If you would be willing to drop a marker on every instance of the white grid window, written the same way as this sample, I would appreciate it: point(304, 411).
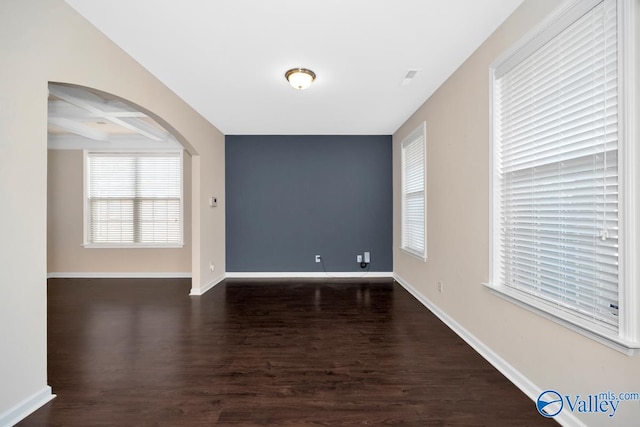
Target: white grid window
point(557, 167)
point(133, 199)
point(414, 193)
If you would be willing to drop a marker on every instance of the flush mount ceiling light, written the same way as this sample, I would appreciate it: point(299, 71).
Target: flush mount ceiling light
point(300, 78)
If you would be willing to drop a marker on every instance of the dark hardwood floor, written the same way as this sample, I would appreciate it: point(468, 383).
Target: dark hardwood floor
point(269, 353)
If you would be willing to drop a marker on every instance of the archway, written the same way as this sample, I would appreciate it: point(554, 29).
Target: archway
point(83, 121)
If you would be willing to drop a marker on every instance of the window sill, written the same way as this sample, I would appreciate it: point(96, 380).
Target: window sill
point(556, 315)
point(113, 246)
point(414, 254)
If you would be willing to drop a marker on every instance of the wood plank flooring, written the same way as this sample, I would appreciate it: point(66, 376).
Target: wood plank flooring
point(270, 353)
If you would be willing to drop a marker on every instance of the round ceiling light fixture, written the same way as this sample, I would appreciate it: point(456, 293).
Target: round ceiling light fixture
point(300, 78)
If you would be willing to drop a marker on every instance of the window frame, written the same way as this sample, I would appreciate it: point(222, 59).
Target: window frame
point(134, 245)
point(418, 132)
point(627, 338)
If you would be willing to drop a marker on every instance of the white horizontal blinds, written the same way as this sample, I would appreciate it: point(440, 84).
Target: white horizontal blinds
point(558, 160)
point(159, 184)
point(413, 169)
point(134, 198)
point(111, 194)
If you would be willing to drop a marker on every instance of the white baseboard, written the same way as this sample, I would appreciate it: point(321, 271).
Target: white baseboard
point(288, 275)
point(118, 275)
point(308, 275)
point(208, 286)
point(512, 374)
point(23, 409)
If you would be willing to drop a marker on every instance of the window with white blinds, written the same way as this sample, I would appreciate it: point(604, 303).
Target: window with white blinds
point(133, 199)
point(556, 169)
point(413, 192)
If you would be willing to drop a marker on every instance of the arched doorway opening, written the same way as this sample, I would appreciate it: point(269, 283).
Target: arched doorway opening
point(117, 205)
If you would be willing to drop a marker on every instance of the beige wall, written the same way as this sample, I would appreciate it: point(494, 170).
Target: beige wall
point(65, 253)
point(44, 41)
point(457, 118)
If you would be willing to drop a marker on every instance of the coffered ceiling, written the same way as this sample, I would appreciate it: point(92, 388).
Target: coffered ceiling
point(81, 119)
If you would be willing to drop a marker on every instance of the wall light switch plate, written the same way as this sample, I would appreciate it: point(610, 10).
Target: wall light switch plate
point(213, 202)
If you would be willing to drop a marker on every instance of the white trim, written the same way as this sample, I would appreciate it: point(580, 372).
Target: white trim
point(200, 291)
point(23, 409)
point(308, 275)
point(628, 97)
point(565, 319)
point(118, 275)
point(85, 201)
point(414, 254)
point(540, 34)
point(494, 177)
point(565, 418)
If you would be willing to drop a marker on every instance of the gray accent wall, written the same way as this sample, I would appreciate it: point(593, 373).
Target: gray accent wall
point(289, 198)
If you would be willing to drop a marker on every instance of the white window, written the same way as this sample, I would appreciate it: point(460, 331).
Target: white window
point(558, 223)
point(133, 199)
point(414, 192)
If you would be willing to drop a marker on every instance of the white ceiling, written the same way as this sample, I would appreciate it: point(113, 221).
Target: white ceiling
point(227, 58)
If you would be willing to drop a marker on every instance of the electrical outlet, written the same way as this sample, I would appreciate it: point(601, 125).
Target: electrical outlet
point(317, 258)
point(367, 257)
point(212, 267)
point(440, 287)
point(358, 258)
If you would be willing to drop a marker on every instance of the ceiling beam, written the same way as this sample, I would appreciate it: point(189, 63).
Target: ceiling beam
point(64, 109)
point(145, 128)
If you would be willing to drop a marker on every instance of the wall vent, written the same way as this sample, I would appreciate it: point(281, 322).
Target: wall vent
point(411, 74)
